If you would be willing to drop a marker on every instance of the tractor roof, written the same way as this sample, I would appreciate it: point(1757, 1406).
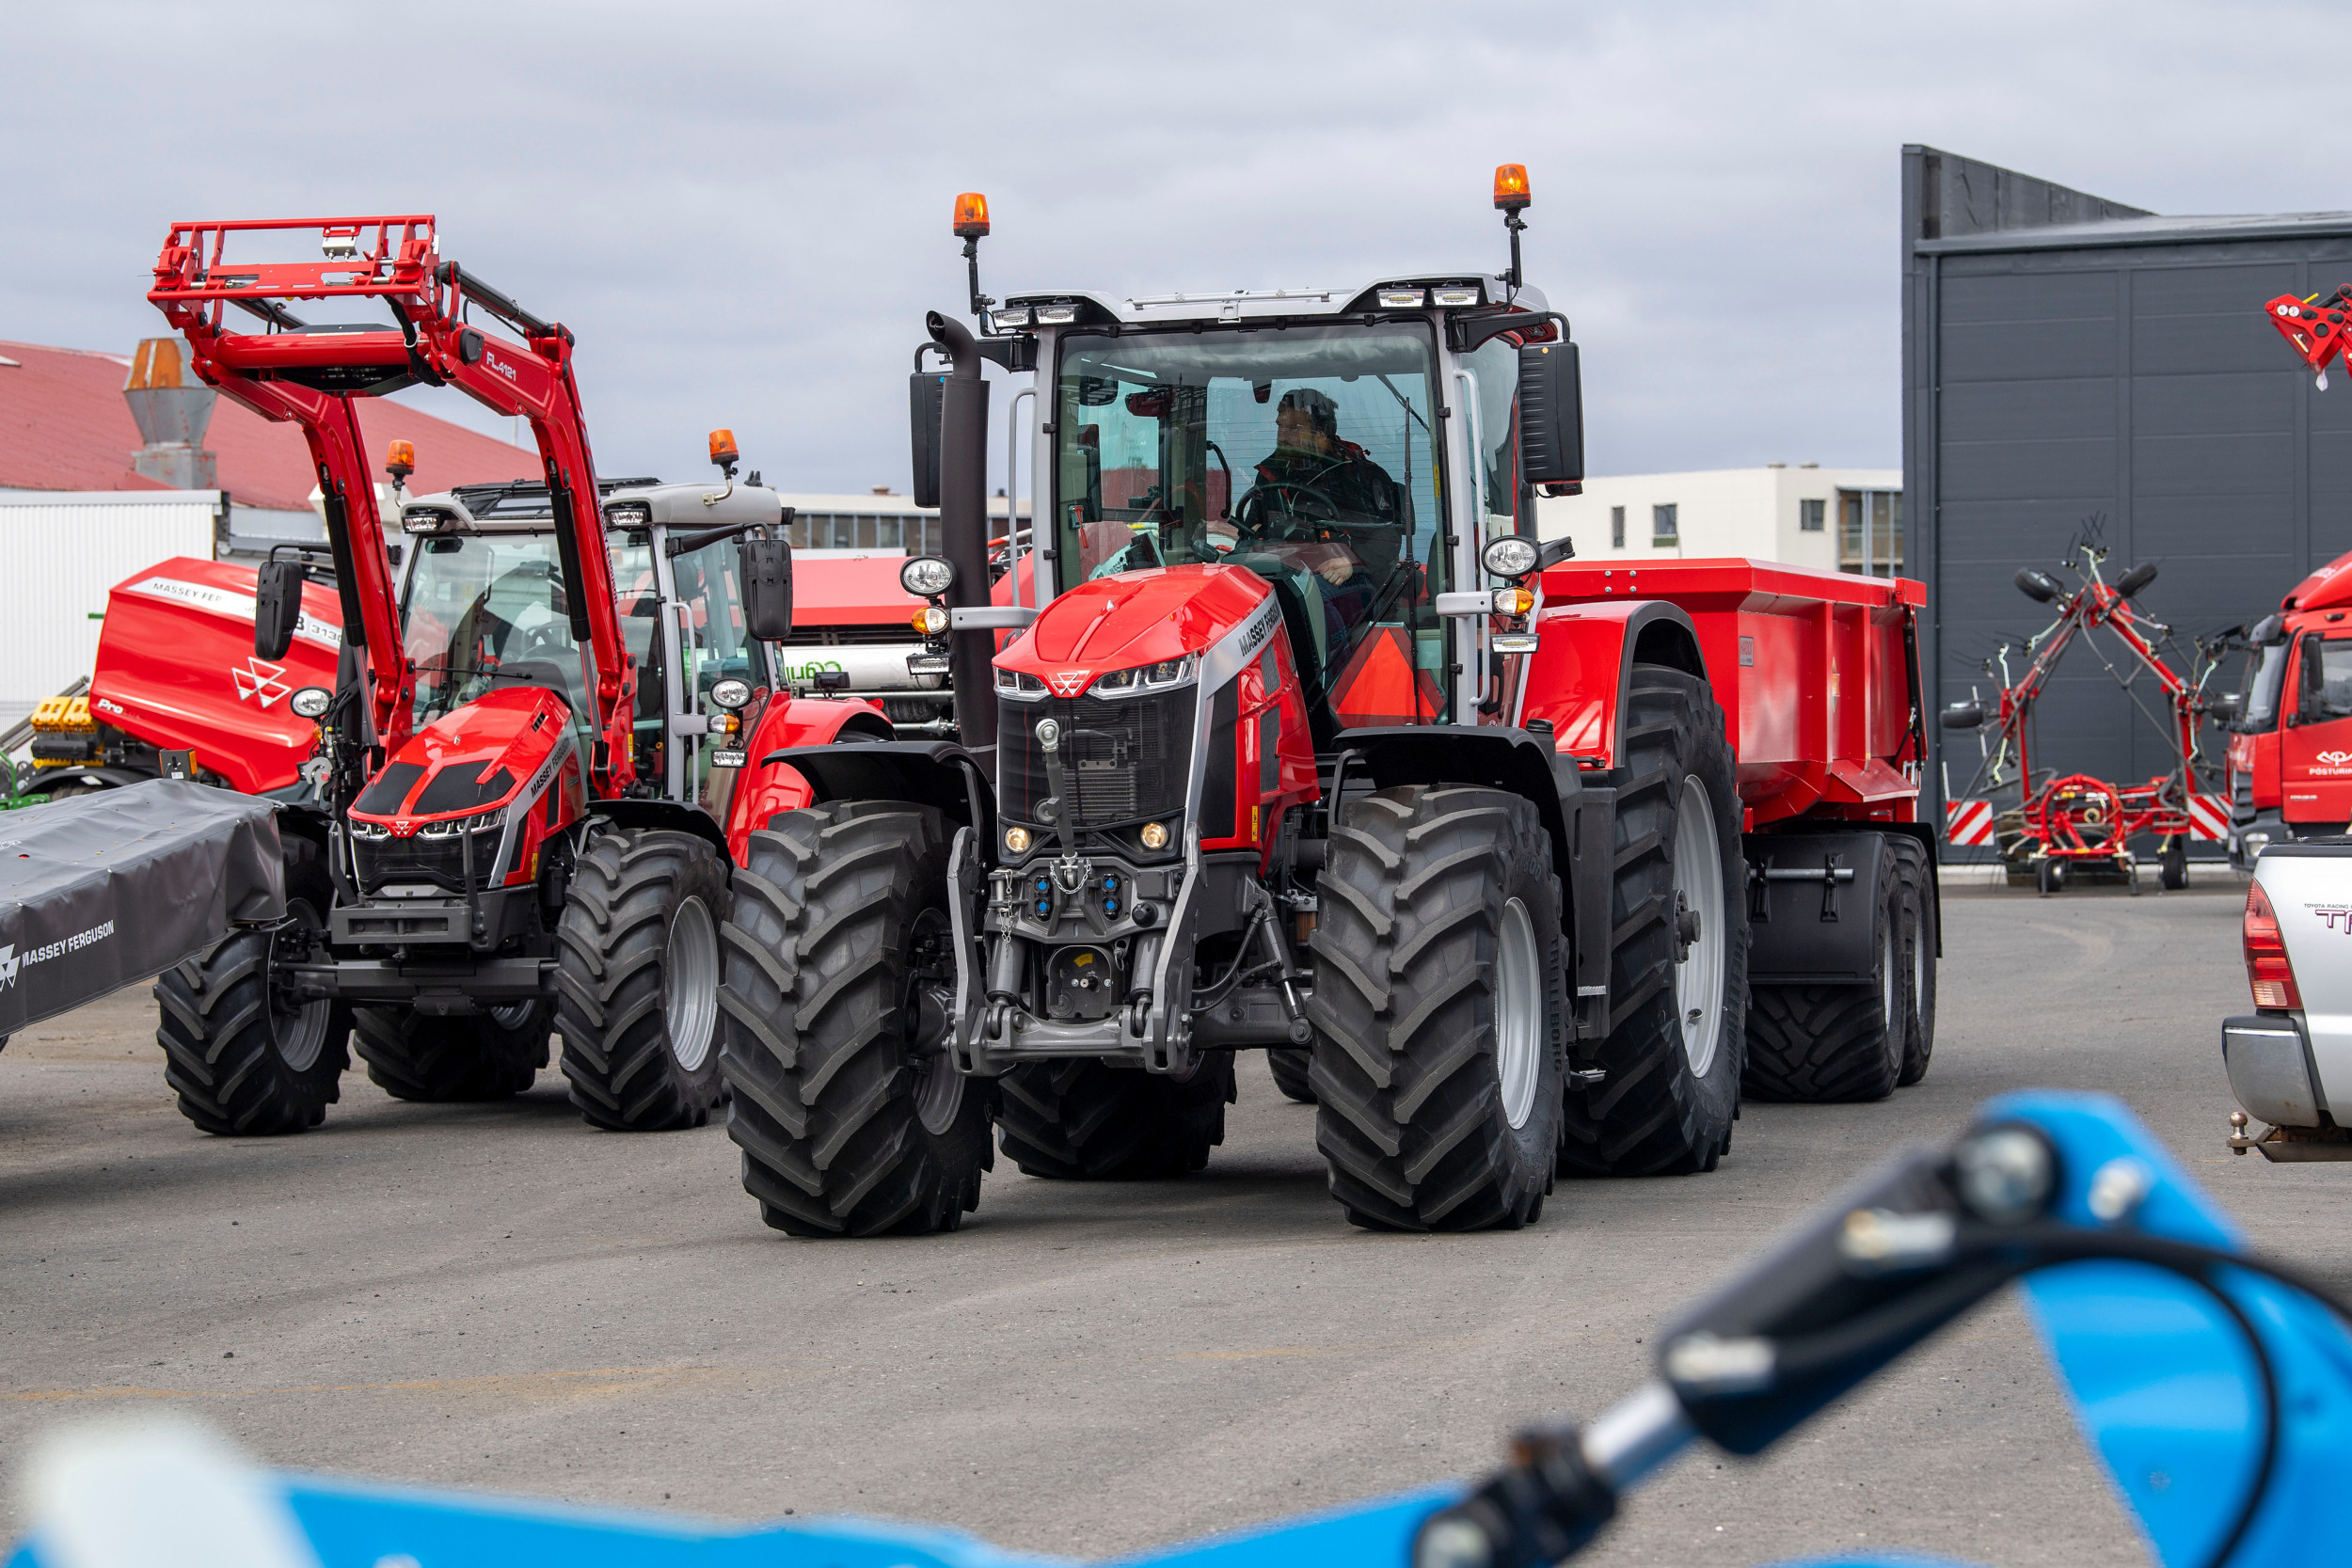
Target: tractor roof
point(1238, 304)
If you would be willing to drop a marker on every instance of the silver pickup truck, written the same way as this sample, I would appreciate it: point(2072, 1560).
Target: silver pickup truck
point(2290, 1062)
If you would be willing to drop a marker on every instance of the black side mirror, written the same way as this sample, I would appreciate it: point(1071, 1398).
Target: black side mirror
point(277, 606)
point(765, 566)
point(2270, 632)
point(2039, 586)
point(2225, 706)
point(927, 393)
point(1551, 414)
point(2136, 582)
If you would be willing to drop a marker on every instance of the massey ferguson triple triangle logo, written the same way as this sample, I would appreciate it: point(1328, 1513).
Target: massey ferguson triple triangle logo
point(1069, 683)
point(259, 679)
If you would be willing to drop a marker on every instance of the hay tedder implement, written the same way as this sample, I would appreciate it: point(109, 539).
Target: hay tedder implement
point(2059, 824)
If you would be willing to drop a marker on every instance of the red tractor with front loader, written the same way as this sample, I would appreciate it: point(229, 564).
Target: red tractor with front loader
point(533, 758)
point(1326, 751)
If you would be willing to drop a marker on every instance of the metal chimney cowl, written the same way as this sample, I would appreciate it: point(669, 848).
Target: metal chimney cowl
point(173, 410)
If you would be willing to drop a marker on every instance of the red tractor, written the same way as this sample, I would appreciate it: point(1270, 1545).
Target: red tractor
point(1527, 866)
point(534, 757)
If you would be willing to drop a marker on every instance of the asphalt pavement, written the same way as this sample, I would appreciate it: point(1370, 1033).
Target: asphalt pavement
point(1084, 1369)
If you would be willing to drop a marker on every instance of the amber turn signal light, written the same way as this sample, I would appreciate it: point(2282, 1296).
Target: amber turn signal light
point(971, 216)
point(1511, 193)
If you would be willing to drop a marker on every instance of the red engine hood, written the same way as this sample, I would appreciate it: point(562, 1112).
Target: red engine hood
point(500, 745)
point(1118, 623)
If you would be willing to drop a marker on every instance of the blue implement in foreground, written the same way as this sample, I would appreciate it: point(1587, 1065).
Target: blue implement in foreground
point(2164, 1386)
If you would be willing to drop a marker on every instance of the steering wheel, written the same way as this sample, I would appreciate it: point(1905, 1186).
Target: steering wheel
point(1301, 504)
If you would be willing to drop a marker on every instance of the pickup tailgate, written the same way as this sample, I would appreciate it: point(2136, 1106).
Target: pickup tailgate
point(2309, 884)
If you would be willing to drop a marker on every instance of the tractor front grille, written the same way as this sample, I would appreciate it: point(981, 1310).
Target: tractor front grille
point(384, 862)
point(1128, 759)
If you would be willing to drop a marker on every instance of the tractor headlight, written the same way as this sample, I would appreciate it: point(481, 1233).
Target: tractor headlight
point(311, 702)
point(1165, 676)
point(1155, 836)
point(480, 822)
point(1017, 840)
point(731, 694)
point(927, 576)
point(370, 831)
point(1511, 555)
point(1011, 318)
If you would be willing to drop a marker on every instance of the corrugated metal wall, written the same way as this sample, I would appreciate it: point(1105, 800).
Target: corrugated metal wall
point(2053, 384)
point(58, 556)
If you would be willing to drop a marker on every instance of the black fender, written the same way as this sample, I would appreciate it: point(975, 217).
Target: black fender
point(1579, 820)
point(671, 816)
point(927, 773)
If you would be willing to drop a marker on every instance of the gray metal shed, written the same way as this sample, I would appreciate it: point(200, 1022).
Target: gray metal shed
point(2066, 358)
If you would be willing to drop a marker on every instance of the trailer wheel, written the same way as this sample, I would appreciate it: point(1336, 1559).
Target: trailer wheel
point(422, 1056)
point(637, 980)
point(245, 1058)
point(2173, 864)
point(1439, 1010)
point(1678, 960)
point(1083, 1119)
point(1825, 1044)
point(1290, 1067)
point(1915, 869)
point(834, 1012)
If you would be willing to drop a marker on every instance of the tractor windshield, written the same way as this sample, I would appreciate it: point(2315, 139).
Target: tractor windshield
point(485, 611)
point(1306, 454)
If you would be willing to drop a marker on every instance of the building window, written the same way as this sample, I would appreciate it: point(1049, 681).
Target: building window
point(1870, 532)
point(1616, 527)
point(1811, 515)
point(1665, 528)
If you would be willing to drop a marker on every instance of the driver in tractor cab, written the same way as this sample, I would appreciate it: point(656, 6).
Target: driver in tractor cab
point(1314, 472)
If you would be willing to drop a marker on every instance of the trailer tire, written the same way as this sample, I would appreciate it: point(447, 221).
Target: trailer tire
point(438, 1060)
point(243, 1061)
point(2173, 864)
point(1289, 1065)
point(1672, 1089)
point(1085, 1120)
point(1820, 1045)
point(1917, 871)
point(834, 1018)
point(1439, 1010)
point(637, 980)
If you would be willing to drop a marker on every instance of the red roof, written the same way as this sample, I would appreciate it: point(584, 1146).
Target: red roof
point(64, 426)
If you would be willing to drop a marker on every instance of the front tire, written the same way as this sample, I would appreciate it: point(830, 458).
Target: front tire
point(637, 981)
point(1678, 959)
point(835, 1014)
point(245, 1059)
point(1917, 871)
point(1439, 1011)
point(436, 1060)
point(1082, 1120)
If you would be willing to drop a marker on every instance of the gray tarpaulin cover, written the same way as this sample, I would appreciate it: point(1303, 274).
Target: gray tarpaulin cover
point(97, 890)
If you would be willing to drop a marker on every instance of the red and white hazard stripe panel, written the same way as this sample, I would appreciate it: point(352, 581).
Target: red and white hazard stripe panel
point(2209, 818)
point(1968, 823)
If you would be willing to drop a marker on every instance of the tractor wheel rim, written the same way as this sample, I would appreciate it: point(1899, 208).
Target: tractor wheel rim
point(1519, 1015)
point(691, 972)
point(1919, 959)
point(1699, 888)
point(300, 1032)
point(1891, 964)
point(929, 1012)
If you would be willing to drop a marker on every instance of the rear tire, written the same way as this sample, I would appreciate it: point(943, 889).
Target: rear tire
point(1439, 1010)
point(1082, 1120)
point(1827, 1044)
point(244, 1059)
point(1672, 1085)
point(1917, 871)
point(637, 982)
point(1290, 1067)
point(835, 1014)
point(436, 1060)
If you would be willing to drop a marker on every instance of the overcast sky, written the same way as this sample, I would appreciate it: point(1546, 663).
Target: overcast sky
point(743, 212)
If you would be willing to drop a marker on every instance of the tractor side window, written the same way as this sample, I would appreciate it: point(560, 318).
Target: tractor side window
point(715, 645)
point(1495, 369)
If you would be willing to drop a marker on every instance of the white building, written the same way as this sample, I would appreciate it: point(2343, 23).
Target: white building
point(1836, 519)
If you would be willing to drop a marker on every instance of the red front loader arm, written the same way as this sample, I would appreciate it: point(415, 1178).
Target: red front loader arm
point(312, 375)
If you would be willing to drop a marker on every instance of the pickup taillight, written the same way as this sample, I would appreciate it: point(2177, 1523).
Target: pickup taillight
point(2267, 966)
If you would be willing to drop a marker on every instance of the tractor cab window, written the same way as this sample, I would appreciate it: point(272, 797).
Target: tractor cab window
point(714, 643)
point(2266, 676)
point(1494, 370)
point(1305, 455)
point(487, 610)
point(2327, 679)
